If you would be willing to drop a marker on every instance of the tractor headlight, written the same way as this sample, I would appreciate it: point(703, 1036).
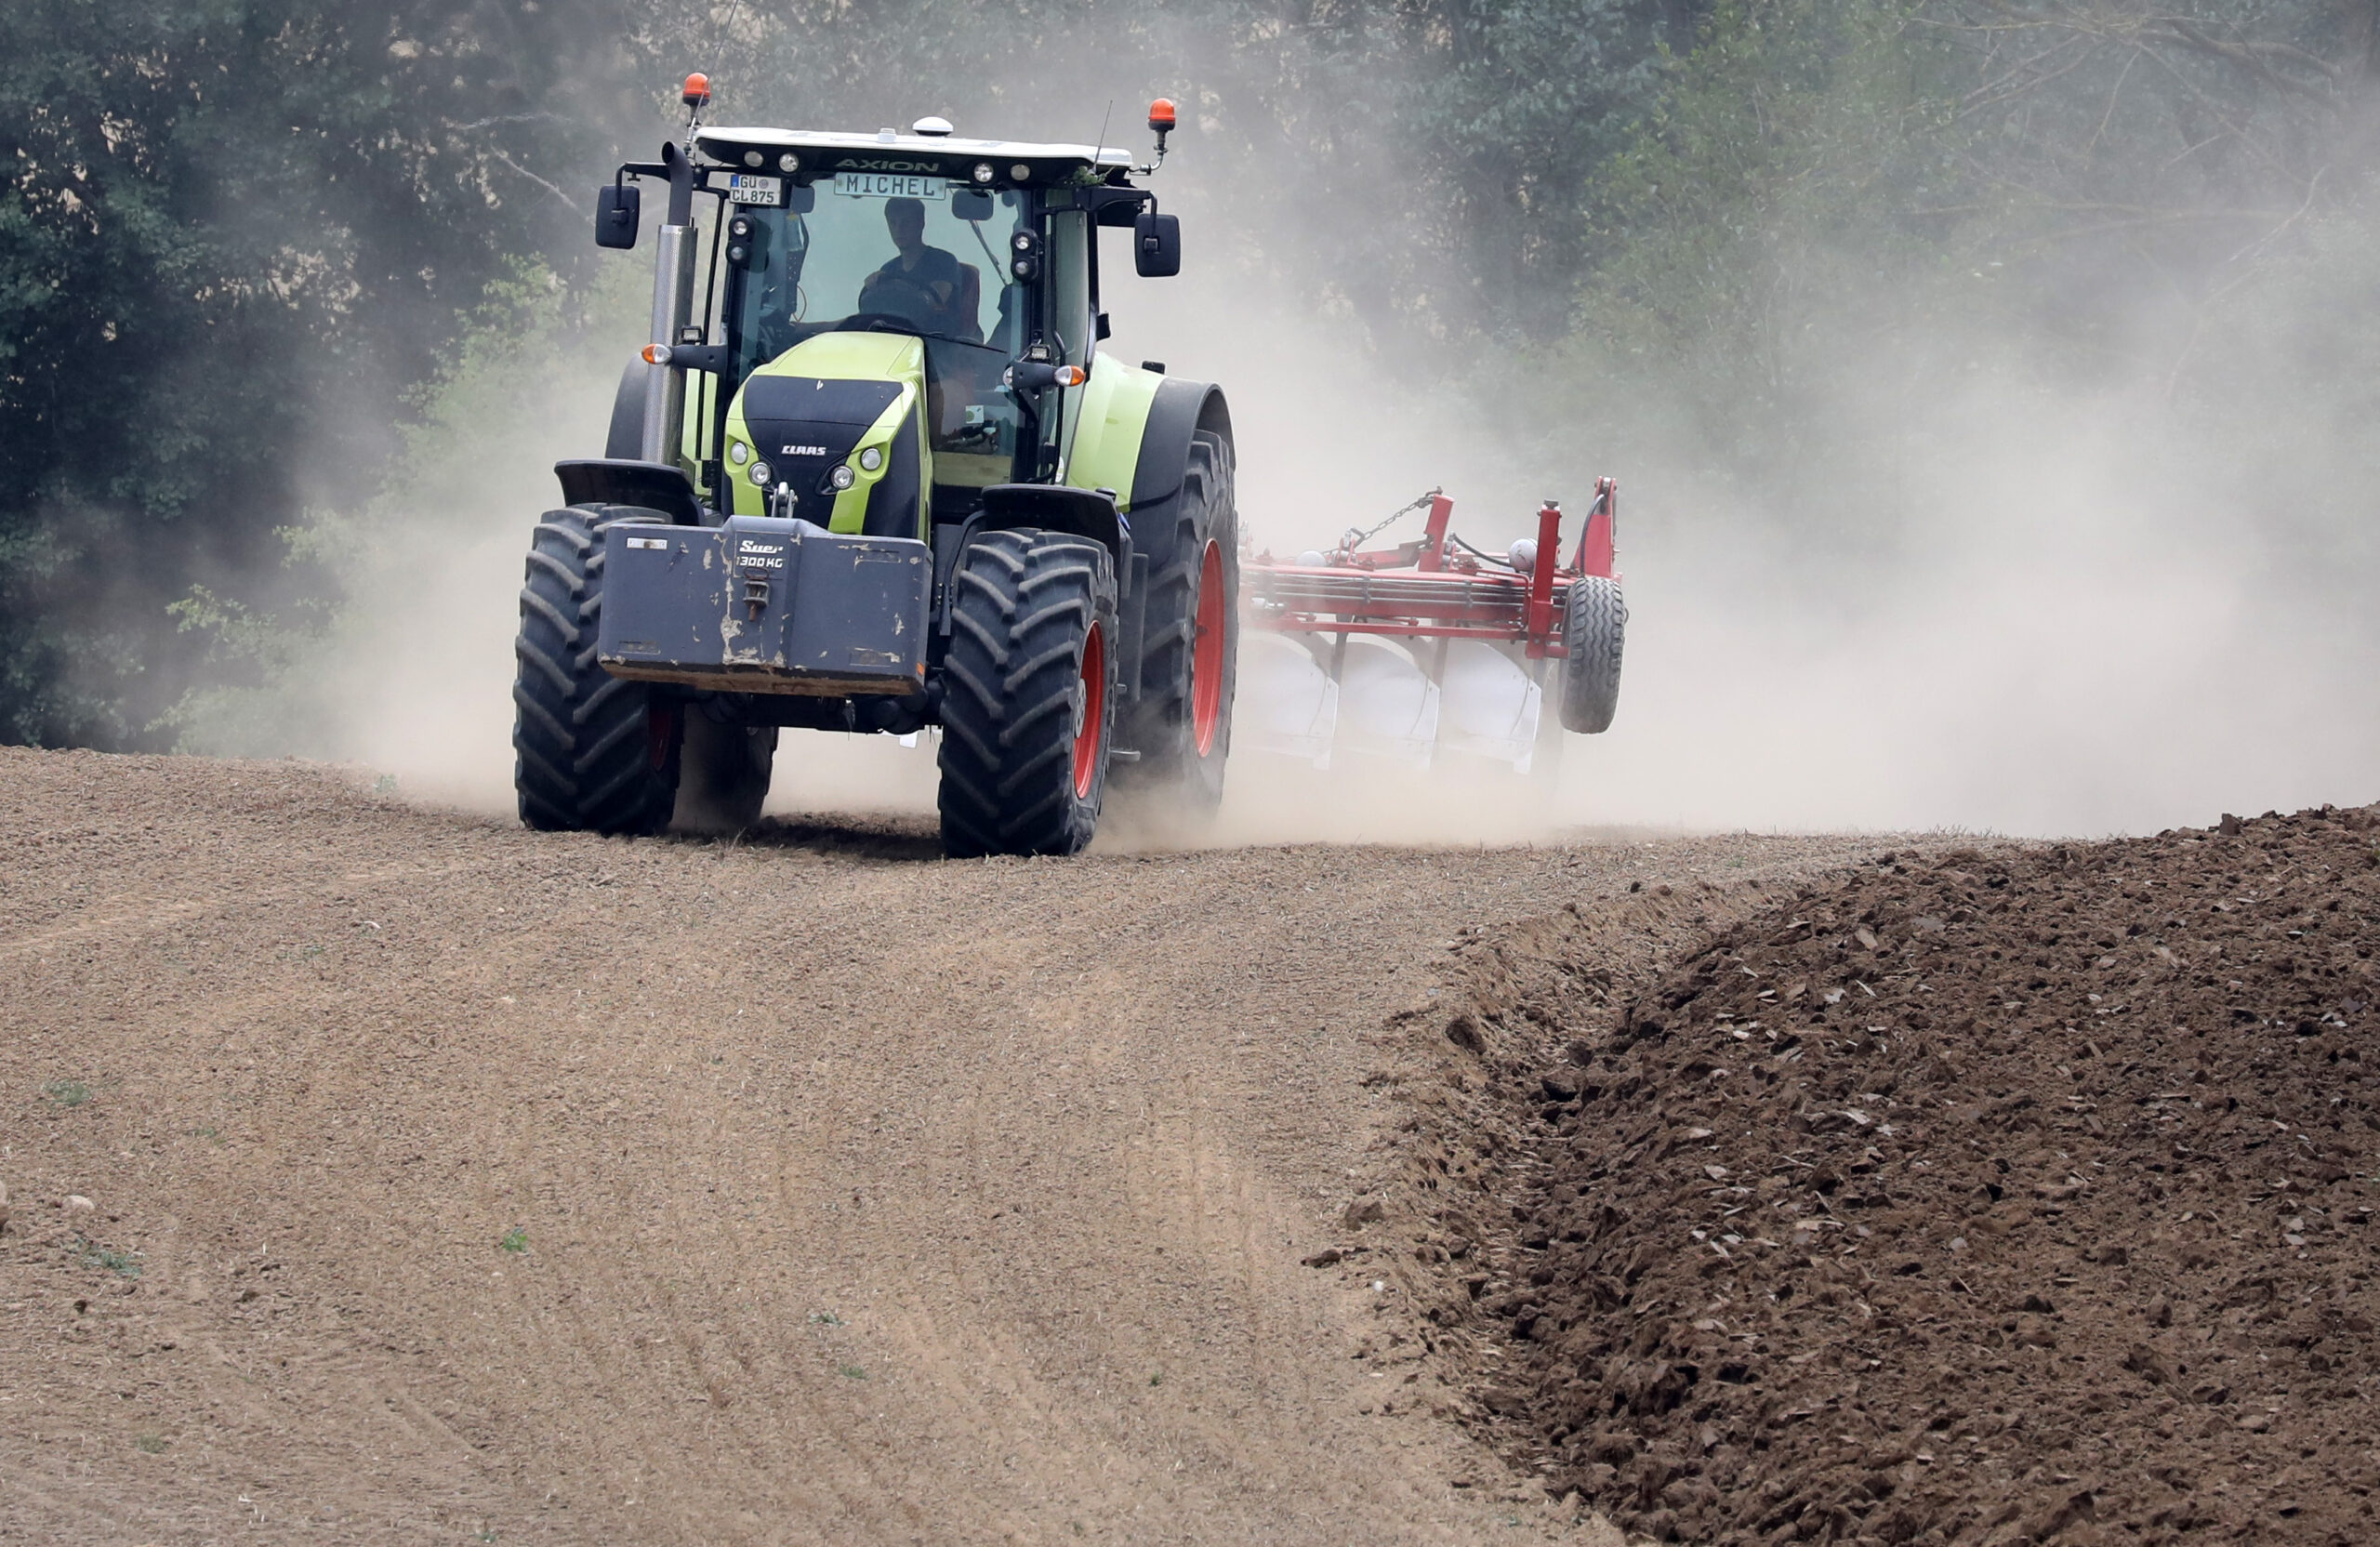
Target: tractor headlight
point(842, 477)
point(1021, 172)
point(751, 158)
point(738, 453)
point(984, 171)
point(761, 474)
point(788, 163)
point(1024, 261)
point(871, 459)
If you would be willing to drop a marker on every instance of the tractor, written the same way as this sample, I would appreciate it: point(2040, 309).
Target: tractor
point(874, 474)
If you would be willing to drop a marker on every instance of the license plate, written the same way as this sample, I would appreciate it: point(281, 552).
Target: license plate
point(890, 185)
point(743, 188)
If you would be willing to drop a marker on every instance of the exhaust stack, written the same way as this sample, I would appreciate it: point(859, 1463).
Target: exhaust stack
point(673, 299)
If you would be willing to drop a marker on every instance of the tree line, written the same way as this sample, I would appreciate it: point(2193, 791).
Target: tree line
point(244, 236)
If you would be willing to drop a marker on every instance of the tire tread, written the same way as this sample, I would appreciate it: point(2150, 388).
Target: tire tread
point(582, 748)
point(1023, 603)
point(1595, 627)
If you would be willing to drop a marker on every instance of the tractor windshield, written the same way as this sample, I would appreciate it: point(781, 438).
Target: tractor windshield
point(901, 253)
point(909, 253)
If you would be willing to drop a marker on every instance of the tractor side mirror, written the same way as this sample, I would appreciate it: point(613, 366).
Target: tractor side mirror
point(617, 206)
point(971, 204)
point(1157, 245)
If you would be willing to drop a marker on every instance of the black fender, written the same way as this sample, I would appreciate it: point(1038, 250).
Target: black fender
point(1056, 508)
point(621, 480)
point(1180, 410)
point(625, 440)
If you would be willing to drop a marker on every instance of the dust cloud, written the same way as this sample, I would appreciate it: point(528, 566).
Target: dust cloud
point(2058, 642)
point(2038, 624)
point(2003, 608)
point(417, 684)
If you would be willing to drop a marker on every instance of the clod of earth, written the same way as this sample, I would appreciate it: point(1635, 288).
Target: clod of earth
point(1962, 1257)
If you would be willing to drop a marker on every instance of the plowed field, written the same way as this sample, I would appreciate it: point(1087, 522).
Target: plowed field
point(2019, 1196)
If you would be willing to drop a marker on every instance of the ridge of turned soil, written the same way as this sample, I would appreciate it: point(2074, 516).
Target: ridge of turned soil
point(2001, 1196)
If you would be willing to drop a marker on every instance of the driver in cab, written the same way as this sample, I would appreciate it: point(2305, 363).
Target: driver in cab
point(925, 285)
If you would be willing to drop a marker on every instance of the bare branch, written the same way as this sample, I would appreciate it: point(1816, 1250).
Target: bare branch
point(2113, 92)
point(533, 177)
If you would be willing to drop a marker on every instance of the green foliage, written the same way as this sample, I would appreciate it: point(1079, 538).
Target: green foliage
point(235, 230)
point(93, 1254)
point(1844, 215)
point(66, 1092)
point(1447, 143)
point(272, 274)
point(282, 681)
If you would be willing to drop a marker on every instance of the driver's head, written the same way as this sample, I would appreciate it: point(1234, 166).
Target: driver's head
point(906, 219)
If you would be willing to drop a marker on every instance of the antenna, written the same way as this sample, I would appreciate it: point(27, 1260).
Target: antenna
point(718, 57)
point(1100, 143)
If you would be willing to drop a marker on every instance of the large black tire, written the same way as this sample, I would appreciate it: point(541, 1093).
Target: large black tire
point(722, 772)
point(1594, 625)
point(1190, 655)
point(592, 752)
point(1029, 707)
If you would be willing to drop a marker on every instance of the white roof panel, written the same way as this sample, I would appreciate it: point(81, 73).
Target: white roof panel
point(825, 152)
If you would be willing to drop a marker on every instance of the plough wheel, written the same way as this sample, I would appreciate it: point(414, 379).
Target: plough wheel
point(1028, 712)
point(1190, 663)
point(1594, 627)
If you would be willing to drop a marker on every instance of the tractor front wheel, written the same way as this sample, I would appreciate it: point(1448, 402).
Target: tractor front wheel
point(1594, 625)
point(1029, 707)
point(592, 753)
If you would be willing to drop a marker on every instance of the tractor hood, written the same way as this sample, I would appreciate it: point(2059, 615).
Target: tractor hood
point(839, 401)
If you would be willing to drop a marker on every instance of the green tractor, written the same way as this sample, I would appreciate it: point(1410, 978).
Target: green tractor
point(874, 474)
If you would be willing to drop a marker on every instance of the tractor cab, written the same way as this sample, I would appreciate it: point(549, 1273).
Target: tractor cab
point(892, 324)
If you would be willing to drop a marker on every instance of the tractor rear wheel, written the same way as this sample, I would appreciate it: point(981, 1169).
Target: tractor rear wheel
point(1190, 658)
point(1595, 623)
point(1029, 707)
point(592, 752)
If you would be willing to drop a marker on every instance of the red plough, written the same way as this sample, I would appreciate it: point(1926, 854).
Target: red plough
point(1433, 647)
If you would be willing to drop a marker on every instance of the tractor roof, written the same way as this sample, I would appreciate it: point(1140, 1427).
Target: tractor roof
point(819, 153)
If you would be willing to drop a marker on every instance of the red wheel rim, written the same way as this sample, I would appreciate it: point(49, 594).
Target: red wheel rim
point(660, 735)
point(1095, 712)
point(1207, 653)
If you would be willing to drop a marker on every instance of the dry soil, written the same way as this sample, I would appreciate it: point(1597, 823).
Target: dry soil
point(379, 1175)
